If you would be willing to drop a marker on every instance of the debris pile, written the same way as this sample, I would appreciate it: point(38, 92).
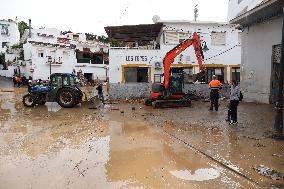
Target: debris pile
point(268, 172)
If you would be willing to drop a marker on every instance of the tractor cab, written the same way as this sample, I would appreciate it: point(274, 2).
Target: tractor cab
point(58, 80)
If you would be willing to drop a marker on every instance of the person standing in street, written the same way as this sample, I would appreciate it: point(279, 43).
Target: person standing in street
point(214, 86)
point(100, 92)
point(234, 102)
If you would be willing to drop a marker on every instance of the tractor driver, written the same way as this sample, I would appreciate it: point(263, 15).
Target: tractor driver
point(214, 86)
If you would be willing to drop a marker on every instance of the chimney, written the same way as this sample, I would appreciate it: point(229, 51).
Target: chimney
point(30, 27)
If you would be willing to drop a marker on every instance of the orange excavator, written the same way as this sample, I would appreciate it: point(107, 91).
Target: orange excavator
point(169, 93)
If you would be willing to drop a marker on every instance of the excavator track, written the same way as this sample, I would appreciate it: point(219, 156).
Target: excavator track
point(171, 103)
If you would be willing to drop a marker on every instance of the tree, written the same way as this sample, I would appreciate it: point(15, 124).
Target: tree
point(65, 32)
point(22, 26)
point(90, 36)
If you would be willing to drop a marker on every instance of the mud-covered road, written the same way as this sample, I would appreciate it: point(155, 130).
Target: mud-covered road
point(128, 145)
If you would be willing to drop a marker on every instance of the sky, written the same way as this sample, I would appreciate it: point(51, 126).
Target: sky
point(91, 16)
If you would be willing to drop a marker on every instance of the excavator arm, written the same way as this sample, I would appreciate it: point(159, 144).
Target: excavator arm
point(170, 56)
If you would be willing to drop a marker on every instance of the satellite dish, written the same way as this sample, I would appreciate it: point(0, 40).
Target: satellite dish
point(156, 18)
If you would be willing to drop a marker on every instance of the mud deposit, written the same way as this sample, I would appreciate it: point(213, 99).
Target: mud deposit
point(118, 146)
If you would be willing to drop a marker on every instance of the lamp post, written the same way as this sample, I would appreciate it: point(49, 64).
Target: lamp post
point(49, 60)
point(278, 125)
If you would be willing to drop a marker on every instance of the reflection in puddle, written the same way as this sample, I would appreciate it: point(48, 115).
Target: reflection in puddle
point(199, 175)
point(53, 106)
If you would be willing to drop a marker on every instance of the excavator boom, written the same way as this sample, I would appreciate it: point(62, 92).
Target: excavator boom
point(170, 56)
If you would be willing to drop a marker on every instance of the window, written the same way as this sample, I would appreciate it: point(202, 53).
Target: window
point(97, 59)
point(183, 36)
point(4, 30)
point(175, 38)
point(187, 59)
point(218, 38)
point(139, 75)
point(171, 38)
point(40, 53)
point(76, 37)
point(219, 72)
point(106, 62)
point(83, 57)
point(236, 74)
point(4, 44)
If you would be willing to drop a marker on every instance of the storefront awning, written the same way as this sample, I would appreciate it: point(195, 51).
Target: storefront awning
point(133, 33)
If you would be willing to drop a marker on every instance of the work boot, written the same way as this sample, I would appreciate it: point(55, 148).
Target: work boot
point(233, 122)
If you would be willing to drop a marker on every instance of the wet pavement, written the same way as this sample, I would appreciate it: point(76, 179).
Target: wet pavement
point(128, 145)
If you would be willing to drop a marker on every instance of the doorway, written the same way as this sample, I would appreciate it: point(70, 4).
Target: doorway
point(275, 72)
point(88, 76)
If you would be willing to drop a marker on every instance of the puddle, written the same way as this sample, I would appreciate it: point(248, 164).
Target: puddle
point(197, 175)
point(53, 106)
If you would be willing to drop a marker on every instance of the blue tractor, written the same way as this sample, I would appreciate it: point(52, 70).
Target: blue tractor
point(61, 89)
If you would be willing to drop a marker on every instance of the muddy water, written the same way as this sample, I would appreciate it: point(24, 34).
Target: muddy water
point(50, 147)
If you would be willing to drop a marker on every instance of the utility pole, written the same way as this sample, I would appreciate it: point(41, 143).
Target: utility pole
point(278, 125)
point(195, 12)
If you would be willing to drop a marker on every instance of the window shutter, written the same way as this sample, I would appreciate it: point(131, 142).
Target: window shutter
point(171, 38)
point(183, 36)
point(218, 38)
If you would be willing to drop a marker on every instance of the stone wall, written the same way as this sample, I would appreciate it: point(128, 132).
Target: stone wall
point(203, 91)
point(142, 90)
point(129, 90)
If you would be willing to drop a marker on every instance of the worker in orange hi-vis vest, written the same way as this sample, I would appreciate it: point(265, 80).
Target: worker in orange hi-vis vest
point(214, 86)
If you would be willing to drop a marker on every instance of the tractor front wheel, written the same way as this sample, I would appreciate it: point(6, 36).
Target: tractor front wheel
point(28, 100)
point(66, 98)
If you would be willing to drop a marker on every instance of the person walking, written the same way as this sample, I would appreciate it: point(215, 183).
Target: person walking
point(15, 80)
point(18, 80)
point(214, 86)
point(234, 102)
point(100, 92)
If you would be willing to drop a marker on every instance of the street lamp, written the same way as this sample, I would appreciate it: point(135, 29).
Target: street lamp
point(204, 46)
point(49, 60)
point(278, 125)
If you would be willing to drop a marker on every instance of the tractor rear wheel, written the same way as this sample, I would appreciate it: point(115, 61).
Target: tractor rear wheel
point(66, 98)
point(28, 100)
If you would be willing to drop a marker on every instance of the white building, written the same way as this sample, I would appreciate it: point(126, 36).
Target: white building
point(261, 25)
point(9, 34)
point(144, 47)
point(48, 51)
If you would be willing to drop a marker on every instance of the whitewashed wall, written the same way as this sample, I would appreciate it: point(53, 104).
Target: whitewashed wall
point(257, 44)
point(13, 36)
point(68, 58)
point(118, 57)
point(231, 57)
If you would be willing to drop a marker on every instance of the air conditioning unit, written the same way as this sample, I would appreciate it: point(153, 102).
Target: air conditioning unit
point(158, 65)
